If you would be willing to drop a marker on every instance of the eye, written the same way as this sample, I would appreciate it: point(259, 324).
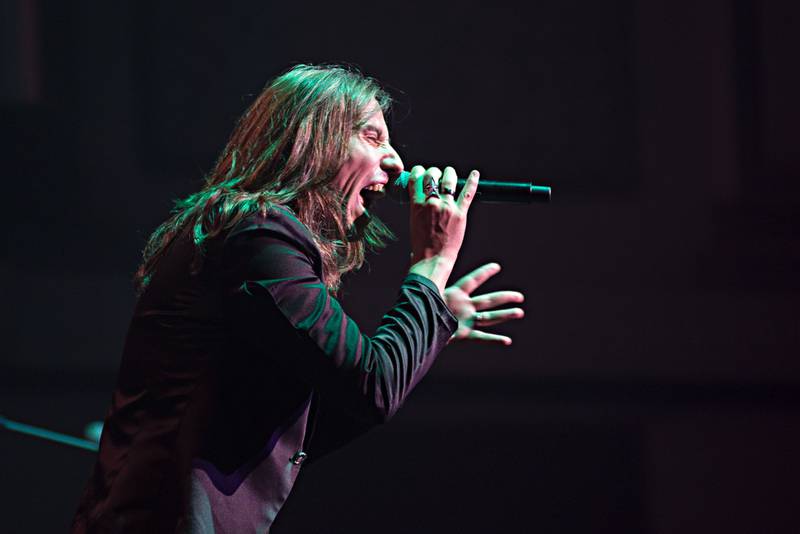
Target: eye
point(374, 138)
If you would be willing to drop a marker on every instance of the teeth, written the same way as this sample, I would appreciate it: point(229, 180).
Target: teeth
point(374, 187)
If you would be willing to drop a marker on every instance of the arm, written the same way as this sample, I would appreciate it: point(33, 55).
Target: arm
point(367, 376)
point(307, 333)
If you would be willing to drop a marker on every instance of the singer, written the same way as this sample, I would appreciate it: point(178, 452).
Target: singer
point(240, 366)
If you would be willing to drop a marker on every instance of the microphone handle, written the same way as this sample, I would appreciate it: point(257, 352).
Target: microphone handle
point(488, 191)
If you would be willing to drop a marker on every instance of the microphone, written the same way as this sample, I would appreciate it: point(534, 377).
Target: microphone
point(488, 191)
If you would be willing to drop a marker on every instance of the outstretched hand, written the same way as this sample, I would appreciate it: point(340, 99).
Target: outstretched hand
point(475, 312)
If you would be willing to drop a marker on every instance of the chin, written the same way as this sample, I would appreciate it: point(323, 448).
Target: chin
point(357, 210)
point(357, 214)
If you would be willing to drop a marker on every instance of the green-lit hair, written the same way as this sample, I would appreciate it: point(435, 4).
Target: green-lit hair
point(285, 150)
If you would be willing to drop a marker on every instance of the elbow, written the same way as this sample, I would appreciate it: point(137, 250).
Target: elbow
point(382, 412)
point(389, 395)
point(384, 406)
point(388, 414)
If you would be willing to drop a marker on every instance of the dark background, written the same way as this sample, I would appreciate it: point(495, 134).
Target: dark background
point(653, 385)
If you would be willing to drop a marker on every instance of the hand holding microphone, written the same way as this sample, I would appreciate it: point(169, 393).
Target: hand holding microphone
point(488, 190)
point(438, 220)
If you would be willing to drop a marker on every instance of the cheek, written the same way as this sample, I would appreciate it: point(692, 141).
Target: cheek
point(361, 156)
point(358, 167)
point(343, 176)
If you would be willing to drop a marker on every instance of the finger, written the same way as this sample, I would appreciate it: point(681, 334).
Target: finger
point(468, 193)
point(497, 298)
point(490, 318)
point(447, 185)
point(430, 186)
point(414, 186)
point(485, 337)
point(471, 281)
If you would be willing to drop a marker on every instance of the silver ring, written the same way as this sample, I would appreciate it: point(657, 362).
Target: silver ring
point(448, 191)
point(430, 189)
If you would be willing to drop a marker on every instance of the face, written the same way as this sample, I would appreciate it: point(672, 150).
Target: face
point(370, 164)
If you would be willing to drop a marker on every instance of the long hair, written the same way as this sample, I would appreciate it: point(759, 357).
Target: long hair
point(285, 150)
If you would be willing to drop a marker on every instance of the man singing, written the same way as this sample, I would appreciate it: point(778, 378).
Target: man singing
point(239, 363)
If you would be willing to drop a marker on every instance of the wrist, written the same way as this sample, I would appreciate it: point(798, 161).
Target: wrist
point(437, 269)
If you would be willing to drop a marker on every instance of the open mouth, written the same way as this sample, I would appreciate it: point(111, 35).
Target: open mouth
point(372, 193)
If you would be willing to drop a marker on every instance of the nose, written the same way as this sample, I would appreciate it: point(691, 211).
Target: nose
point(391, 161)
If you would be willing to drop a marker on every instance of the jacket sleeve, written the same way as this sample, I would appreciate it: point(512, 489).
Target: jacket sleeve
point(301, 326)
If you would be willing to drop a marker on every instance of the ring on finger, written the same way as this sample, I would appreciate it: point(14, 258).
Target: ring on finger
point(447, 191)
point(430, 189)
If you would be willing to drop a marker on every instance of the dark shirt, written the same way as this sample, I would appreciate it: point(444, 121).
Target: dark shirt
point(231, 377)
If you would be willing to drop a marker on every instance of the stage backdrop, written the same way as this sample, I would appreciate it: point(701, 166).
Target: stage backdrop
point(658, 360)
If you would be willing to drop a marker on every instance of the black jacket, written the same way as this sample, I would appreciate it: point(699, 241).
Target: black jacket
point(233, 376)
